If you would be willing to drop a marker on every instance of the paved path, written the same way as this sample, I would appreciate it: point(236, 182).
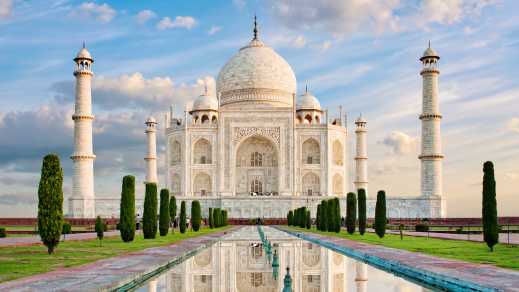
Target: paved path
point(417, 264)
point(111, 273)
point(503, 237)
point(35, 240)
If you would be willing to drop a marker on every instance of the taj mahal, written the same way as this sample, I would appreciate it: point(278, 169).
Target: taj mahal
point(257, 148)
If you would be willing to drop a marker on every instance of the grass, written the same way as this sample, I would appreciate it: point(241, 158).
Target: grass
point(23, 261)
point(505, 256)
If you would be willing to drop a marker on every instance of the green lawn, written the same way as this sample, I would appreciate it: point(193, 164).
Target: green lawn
point(17, 262)
point(505, 256)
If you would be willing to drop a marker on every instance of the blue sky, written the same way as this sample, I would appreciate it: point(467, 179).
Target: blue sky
point(359, 54)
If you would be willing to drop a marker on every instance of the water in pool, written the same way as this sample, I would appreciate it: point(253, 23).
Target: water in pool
point(241, 262)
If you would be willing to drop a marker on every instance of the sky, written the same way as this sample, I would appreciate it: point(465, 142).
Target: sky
point(362, 55)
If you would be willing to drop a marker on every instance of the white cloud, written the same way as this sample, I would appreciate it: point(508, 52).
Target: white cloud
point(326, 45)
point(239, 3)
point(6, 8)
point(399, 143)
point(101, 12)
point(513, 125)
point(214, 29)
point(299, 42)
point(145, 15)
point(179, 22)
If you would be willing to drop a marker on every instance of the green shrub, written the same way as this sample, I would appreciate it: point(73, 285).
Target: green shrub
point(3, 232)
point(290, 217)
point(173, 212)
point(50, 202)
point(67, 229)
point(380, 214)
point(318, 217)
point(324, 210)
point(183, 219)
point(100, 228)
point(196, 216)
point(164, 218)
point(308, 220)
point(149, 218)
point(224, 215)
point(351, 212)
point(126, 223)
point(489, 218)
point(362, 211)
point(421, 227)
point(337, 213)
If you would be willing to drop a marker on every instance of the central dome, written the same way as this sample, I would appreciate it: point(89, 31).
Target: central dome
point(256, 74)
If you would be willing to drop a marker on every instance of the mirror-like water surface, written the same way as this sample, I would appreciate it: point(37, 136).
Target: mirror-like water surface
point(240, 263)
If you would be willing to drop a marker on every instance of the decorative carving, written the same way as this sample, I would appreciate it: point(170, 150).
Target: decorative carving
point(244, 132)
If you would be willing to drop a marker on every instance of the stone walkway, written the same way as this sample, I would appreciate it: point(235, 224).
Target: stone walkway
point(442, 271)
point(111, 273)
point(35, 240)
point(503, 237)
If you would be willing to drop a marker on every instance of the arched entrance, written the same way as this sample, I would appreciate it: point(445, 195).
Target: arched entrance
point(256, 167)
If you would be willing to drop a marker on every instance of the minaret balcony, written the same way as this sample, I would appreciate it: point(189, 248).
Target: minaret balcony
point(430, 116)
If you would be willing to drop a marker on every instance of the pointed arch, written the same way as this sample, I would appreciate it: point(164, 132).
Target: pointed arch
point(338, 184)
point(338, 153)
point(202, 185)
point(202, 152)
point(311, 151)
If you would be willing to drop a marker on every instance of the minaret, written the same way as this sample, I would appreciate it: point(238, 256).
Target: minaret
point(361, 159)
point(431, 156)
point(151, 156)
point(82, 202)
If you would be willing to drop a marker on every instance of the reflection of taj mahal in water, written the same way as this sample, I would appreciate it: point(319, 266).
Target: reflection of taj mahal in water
point(234, 264)
point(256, 150)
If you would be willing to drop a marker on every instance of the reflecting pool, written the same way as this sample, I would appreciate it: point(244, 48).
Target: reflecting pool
point(247, 260)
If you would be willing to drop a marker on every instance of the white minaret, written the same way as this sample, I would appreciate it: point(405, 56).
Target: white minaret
point(82, 202)
point(431, 156)
point(151, 156)
point(361, 159)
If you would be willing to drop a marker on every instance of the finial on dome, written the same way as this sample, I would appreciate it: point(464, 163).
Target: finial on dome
point(205, 88)
point(429, 43)
point(83, 44)
point(306, 88)
point(255, 28)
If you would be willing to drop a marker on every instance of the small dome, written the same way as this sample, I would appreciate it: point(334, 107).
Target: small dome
point(430, 53)
point(151, 120)
point(307, 101)
point(205, 102)
point(360, 119)
point(84, 54)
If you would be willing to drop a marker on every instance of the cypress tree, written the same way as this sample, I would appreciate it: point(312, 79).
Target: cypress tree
point(308, 220)
point(215, 217)
point(362, 211)
point(351, 212)
point(318, 217)
point(164, 218)
point(173, 211)
point(337, 207)
point(380, 214)
point(196, 216)
point(490, 224)
point(50, 202)
point(324, 210)
point(127, 210)
point(290, 218)
point(100, 228)
point(210, 218)
point(224, 213)
point(149, 218)
point(183, 217)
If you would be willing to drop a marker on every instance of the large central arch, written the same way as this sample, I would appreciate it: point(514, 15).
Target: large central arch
point(257, 167)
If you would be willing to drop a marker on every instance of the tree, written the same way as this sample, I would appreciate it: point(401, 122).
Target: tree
point(351, 212)
point(50, 202)
point(362, 211)
point(290, 217)
point(173, 211)
point(164, 218)
point(149, 218)
point(324, 210)
point(196, 216)
point(67, 229)
point(100, 229)
point(217, 217)
point(337, 213)
point(210, 219)
point(183, 217)
point(224, 215)
point(308, 220)
point(127, 210)
point(490, 224)
point(318, 217)
point(380, 214)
